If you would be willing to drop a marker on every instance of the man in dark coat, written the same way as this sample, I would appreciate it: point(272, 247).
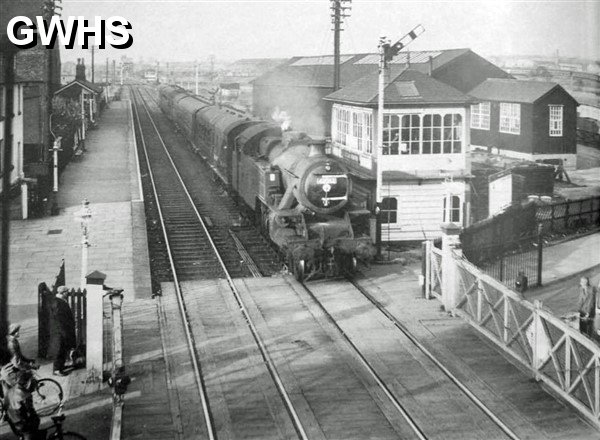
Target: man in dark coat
point(62, 331)
point(586, 306)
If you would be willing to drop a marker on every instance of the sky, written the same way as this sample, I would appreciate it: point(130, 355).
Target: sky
point(186, 30)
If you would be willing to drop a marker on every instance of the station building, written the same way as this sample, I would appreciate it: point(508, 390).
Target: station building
point(425, 163)
point(529, 120)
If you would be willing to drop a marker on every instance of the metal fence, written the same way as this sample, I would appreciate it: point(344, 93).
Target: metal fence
point(511, 261)
point(569, 216)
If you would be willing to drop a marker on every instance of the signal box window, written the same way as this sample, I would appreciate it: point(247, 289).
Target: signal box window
point(510, 118)
point(556, 120)
point(452, 213)
point(480, 116)
point(389, 210)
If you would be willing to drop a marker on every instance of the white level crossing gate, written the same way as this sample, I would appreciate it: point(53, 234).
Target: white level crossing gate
point(564, 359)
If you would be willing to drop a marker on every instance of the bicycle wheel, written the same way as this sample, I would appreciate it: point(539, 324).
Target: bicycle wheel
point(47, 397)
point(68, 435)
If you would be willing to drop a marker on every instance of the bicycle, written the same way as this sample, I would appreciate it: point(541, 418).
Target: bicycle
point(47, 396)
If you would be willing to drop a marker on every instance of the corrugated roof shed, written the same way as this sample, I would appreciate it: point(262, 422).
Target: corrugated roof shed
point(512, 90)
point(317, 71)
point(408, 87)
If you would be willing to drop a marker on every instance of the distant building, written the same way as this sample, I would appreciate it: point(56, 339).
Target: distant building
point(529, 120)
point(299, 85)
point(87, 94)
point(38, 71)
point(425, 164)
point(17, 125)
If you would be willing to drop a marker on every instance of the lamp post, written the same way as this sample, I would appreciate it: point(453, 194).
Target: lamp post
point(85, 216)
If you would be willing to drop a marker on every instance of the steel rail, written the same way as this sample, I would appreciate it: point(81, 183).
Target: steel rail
point(417, 430)
point(187, 326)
point(263, 349)
point(437, 363)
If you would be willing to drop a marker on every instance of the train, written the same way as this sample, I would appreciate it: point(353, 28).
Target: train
point(297, 193)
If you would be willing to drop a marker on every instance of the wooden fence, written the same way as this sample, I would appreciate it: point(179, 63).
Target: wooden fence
point(567, 361)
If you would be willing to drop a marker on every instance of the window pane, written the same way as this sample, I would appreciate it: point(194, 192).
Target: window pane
point(456, 148)
point(427, 147)
point(447, 147)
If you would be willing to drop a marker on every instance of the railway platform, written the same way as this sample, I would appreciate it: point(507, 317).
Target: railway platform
point(107, 176)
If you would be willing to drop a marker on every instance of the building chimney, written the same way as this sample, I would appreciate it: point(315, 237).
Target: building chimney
point(430, 65)
point(80, 70)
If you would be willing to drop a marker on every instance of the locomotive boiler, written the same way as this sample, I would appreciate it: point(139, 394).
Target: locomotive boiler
point(298, 194)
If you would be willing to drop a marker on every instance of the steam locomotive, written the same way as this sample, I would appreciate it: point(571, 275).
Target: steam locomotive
point(298, 194)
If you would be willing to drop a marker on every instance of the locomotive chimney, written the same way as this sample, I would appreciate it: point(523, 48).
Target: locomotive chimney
point(317, 147)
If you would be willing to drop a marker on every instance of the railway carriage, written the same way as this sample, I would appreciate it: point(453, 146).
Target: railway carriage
point(299, 195)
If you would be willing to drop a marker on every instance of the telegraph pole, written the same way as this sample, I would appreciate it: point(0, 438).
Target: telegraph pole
point(92, 64)
point(338, 8)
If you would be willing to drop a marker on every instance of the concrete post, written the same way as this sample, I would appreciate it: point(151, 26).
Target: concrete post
point(94, 325)
point(450, 241)
point(24, 198)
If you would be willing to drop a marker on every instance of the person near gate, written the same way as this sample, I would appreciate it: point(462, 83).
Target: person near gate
point(586, 305)
point(62, 331)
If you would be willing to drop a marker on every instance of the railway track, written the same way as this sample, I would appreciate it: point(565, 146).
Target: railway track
point(198, 250)
point(362, 292)
point(188, 240)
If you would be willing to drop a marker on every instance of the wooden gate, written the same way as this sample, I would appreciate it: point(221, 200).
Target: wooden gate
point(564, 359)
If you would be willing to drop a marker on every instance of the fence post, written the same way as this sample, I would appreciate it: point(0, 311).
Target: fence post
point(536, 332)
point(502, 267)
point(428, 257)
point(450, 240)
point(540, 253)
point(119, 379)
point(94, 325)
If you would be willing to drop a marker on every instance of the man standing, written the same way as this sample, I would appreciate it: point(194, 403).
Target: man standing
point(62, 331)
point(586, 306)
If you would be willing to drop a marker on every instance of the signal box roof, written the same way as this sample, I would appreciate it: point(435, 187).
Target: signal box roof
point(409, 87)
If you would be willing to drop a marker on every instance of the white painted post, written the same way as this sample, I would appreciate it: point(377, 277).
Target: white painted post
point(94, 325)
point(450, 240)
point(428, 257)
point(24, 197)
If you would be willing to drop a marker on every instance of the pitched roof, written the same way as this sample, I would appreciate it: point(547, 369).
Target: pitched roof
point(407, 87)
point(317, 71)
point(81, 83)
point(512, 90)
